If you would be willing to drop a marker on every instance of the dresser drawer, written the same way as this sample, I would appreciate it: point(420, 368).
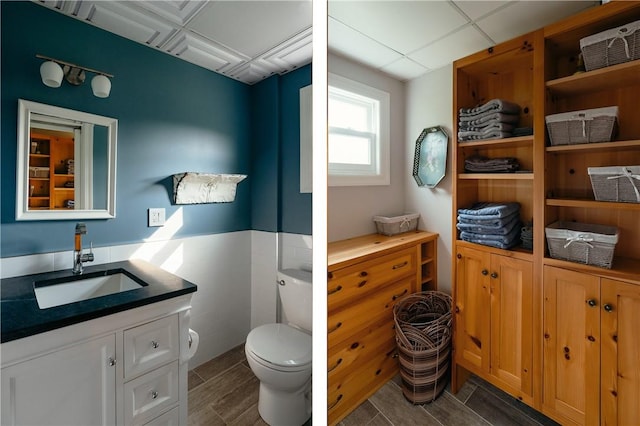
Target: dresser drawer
point(149, 395)
point(374, 340)
point(170, 418)
point(150, 345)
point(376, 307)
point(343, 395)
point(351, 283)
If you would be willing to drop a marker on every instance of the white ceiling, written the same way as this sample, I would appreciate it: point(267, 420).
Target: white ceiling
point(252, 40)
point(245, 40)
point(406, 39)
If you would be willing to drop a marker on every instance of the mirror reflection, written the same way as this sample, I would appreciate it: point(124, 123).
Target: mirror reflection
point(66, 164)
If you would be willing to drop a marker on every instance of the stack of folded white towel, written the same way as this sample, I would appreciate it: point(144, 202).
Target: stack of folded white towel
point(491, 224)
point(494, 120)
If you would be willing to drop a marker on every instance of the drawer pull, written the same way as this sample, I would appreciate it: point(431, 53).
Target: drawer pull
point(400, 265)
point(335, 366)
point(333, 404)
point(335, 290)
point(395, 296)
point(607, 307)
point(338, 325)
point(155, 344)
point(111, 362)
point(154, 394)
point(363, 274)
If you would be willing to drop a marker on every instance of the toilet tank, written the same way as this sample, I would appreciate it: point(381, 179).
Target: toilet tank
point(296, 297)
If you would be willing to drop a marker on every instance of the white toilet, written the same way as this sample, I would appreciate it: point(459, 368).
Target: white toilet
point(280, 354)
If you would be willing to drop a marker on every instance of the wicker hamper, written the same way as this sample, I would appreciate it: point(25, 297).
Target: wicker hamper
point(587, 126)
point(38, 172)
point(423, 336)
point(616, 183)
point(392, 225)
point(611, 47)
point(582, 242)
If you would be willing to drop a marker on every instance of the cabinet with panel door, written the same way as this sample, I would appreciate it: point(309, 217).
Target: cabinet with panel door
point(591, 348)
point(494, 318)
point(129, 368)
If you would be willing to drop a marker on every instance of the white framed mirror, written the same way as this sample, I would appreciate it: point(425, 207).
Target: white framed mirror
point(66, 165)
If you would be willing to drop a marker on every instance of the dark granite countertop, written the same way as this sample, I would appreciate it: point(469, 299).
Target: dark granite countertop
point(22, 317)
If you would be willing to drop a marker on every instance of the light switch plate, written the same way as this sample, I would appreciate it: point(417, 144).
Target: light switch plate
point(156, 217)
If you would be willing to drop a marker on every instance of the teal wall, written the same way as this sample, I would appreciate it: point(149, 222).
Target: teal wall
point(173, 117)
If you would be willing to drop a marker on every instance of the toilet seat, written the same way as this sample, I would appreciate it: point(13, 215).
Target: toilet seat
point(281, 347)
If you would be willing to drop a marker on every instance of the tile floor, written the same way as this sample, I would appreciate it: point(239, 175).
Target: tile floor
point(224, 391)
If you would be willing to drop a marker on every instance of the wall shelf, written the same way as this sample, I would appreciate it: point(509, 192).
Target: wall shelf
point(594, 147)
point(496, 176)
point(627, 74)
point(591, 204)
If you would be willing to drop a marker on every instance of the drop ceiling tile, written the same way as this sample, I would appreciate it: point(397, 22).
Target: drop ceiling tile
point(291, 54)
point(192, 48)
point(176, 11)
point(403, 26)
point(351, 43)
point(525, 16)
point(249, 26)
point(251, 73)
point(126, 21)
point(454, 46)
point(69, 7)
point(477, 9)
point(405, 69)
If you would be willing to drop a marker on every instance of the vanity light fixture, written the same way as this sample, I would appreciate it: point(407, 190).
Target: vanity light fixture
point(53, 70)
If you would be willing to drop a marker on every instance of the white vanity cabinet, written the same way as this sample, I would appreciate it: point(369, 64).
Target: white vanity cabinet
point(72, 386)
point(129, 368)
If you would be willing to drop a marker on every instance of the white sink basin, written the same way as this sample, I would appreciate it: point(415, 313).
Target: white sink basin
point(55, 292)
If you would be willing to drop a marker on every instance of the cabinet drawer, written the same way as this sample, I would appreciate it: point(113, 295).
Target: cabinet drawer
point(375, 307)
point(150, 345)
point(374, 340)
point(346, 394)
point(151, 394)
point(351, 283)
point(170, 418)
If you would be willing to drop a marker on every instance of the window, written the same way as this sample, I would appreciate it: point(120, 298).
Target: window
point(358, 151)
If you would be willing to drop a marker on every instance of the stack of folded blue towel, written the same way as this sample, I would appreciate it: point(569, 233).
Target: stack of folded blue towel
point(491, 224)
point(494, 120)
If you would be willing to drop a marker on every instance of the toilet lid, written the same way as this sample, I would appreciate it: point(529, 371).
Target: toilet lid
point(281, 345)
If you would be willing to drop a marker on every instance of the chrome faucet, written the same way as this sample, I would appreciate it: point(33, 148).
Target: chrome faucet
point(78, 257)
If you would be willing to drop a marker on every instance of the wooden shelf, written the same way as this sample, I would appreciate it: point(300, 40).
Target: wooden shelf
point(594, 147)
point(519, 141)
point(591, 204)
point(624, 268)
point(516, 252)
point(613, 77)
point(496, 176)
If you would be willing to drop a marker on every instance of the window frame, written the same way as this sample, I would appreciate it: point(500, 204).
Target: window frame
point(377, 172)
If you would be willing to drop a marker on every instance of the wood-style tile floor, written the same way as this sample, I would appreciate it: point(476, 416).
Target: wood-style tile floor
point(224, 391)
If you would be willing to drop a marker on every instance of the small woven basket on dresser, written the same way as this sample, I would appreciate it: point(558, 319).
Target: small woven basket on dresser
point(611, 47)
point(582, 242)
point(423, 337)
point(587, 126)
point(392, 225)
point(616, 183)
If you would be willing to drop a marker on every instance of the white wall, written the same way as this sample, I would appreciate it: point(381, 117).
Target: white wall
point(429, 103)
point(350, 209)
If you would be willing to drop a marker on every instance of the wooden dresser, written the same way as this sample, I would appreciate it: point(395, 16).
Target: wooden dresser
point(366, 275)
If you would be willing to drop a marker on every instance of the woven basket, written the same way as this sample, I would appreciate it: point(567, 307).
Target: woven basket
point(423, 336)
point(392, 225)
point(611, 47)
point(587, 126)
point(616, 183)
point(582, 242)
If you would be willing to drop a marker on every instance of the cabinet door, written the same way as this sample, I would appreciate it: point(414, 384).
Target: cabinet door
point(512, 323)
point(472, 314)
point(73, 386)
point(620, 353)
point(572, 345)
